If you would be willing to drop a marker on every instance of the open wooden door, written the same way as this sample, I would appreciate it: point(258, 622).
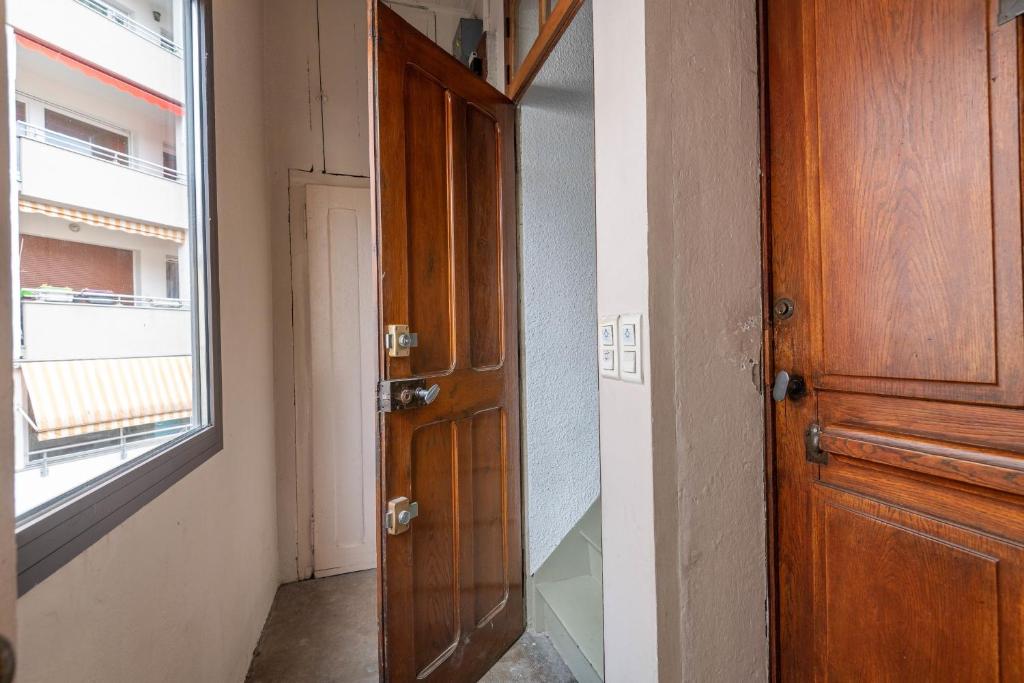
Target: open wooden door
point(895, 208)
point(444, 187)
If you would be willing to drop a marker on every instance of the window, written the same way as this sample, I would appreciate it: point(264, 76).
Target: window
point(173, 276)
point(116, 368)
point(170, 163)
point(63, 130)
point(20, 111)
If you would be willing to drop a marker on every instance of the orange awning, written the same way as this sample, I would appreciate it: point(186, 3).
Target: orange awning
point(68, 398)
point(99, 74)
point(101, 220)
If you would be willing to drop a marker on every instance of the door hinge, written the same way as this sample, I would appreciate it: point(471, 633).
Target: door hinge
point(1010, 10)
point(812, 445)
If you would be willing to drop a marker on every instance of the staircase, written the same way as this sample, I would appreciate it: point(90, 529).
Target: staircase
point(568, 599)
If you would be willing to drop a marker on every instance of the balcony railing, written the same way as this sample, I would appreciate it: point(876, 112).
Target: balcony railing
point(59, 295)
point(121, 441)
point(88, 149)
point(121, 19)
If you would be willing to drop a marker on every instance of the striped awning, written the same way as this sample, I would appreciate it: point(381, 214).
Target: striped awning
point(101, 221)
point(68, 398)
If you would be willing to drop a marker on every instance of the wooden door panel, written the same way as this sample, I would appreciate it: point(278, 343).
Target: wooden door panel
point(915, 118)
point(895, 218)
point(435, 593)
point(483, 196)
point(936, 590)
point(452, 585)
point(429, 245)
point(490, 533)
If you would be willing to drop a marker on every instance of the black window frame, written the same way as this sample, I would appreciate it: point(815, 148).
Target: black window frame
point(53, 538)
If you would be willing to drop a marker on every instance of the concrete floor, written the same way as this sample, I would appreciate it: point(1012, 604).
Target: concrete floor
point(325, 631)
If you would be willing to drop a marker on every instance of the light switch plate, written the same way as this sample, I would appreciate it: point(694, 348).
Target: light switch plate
point(608, 346)
point(631, 354)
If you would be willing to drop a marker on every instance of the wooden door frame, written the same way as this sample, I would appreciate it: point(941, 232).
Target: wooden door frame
point(768, 347)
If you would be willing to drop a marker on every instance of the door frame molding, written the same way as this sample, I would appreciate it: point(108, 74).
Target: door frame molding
point(768, 346)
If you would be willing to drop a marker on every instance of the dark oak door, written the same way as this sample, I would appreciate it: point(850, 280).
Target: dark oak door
point(895, 219)
point(444, 187)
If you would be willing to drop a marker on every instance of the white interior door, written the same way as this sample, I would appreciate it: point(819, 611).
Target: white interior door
point(343, 357)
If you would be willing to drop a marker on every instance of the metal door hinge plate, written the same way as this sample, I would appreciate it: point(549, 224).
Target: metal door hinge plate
point(401, 512)
point(1010, 10)
point(398, 340)
point(812, 446)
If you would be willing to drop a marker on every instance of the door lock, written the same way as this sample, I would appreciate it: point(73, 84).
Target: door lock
point(403, 394)
point(398, 340)
point(788, 386)
point(401, 512)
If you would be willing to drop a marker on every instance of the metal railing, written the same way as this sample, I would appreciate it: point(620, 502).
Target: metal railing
point(58, 295)
point(89, 149)
point(121, 19)
point(44, 458)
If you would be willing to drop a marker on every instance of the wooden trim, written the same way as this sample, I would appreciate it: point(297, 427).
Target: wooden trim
point(557, 22)
point(768, 352)
point(985, 467)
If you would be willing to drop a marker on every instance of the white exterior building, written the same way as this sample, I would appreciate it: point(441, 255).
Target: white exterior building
point(102, 233)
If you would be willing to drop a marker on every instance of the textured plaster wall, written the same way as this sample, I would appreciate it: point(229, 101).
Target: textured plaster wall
point(705, 283)
point(180, 591)
point(676, 101)
point(559, 292)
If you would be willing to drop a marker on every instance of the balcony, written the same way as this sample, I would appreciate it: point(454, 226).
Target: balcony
point(99, 34)
point(64, 170)
point(65, 325)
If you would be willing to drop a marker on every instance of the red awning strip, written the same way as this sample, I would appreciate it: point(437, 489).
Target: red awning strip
point(100, 75)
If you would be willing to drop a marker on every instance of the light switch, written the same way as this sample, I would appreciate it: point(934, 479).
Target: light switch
point(628, 363)
point(628, 335)
point(607, 335)
point(631, 364)
point(608, 346)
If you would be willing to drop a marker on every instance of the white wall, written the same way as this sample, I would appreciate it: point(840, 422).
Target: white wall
point(678, 239)
point(627, 459)
point(558, 271)
point(314, 139)
point(180, 591)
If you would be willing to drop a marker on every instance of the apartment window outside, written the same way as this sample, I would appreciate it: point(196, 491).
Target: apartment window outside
point(173, 277)
point(91, 139)
point(115, 345)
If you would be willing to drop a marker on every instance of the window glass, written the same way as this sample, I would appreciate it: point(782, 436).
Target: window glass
point(111, 338)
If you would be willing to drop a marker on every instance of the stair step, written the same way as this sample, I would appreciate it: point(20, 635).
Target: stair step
point(576, 603)
point(590, 529)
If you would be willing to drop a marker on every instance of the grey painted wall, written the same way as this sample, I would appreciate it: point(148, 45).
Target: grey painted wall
point(559, 291)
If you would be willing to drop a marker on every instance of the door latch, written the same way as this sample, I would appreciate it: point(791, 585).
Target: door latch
point(403, 394)
point(401, 512)
point(812, 446)
point(788, 386)
point(398, 340)
point(1010, 10)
